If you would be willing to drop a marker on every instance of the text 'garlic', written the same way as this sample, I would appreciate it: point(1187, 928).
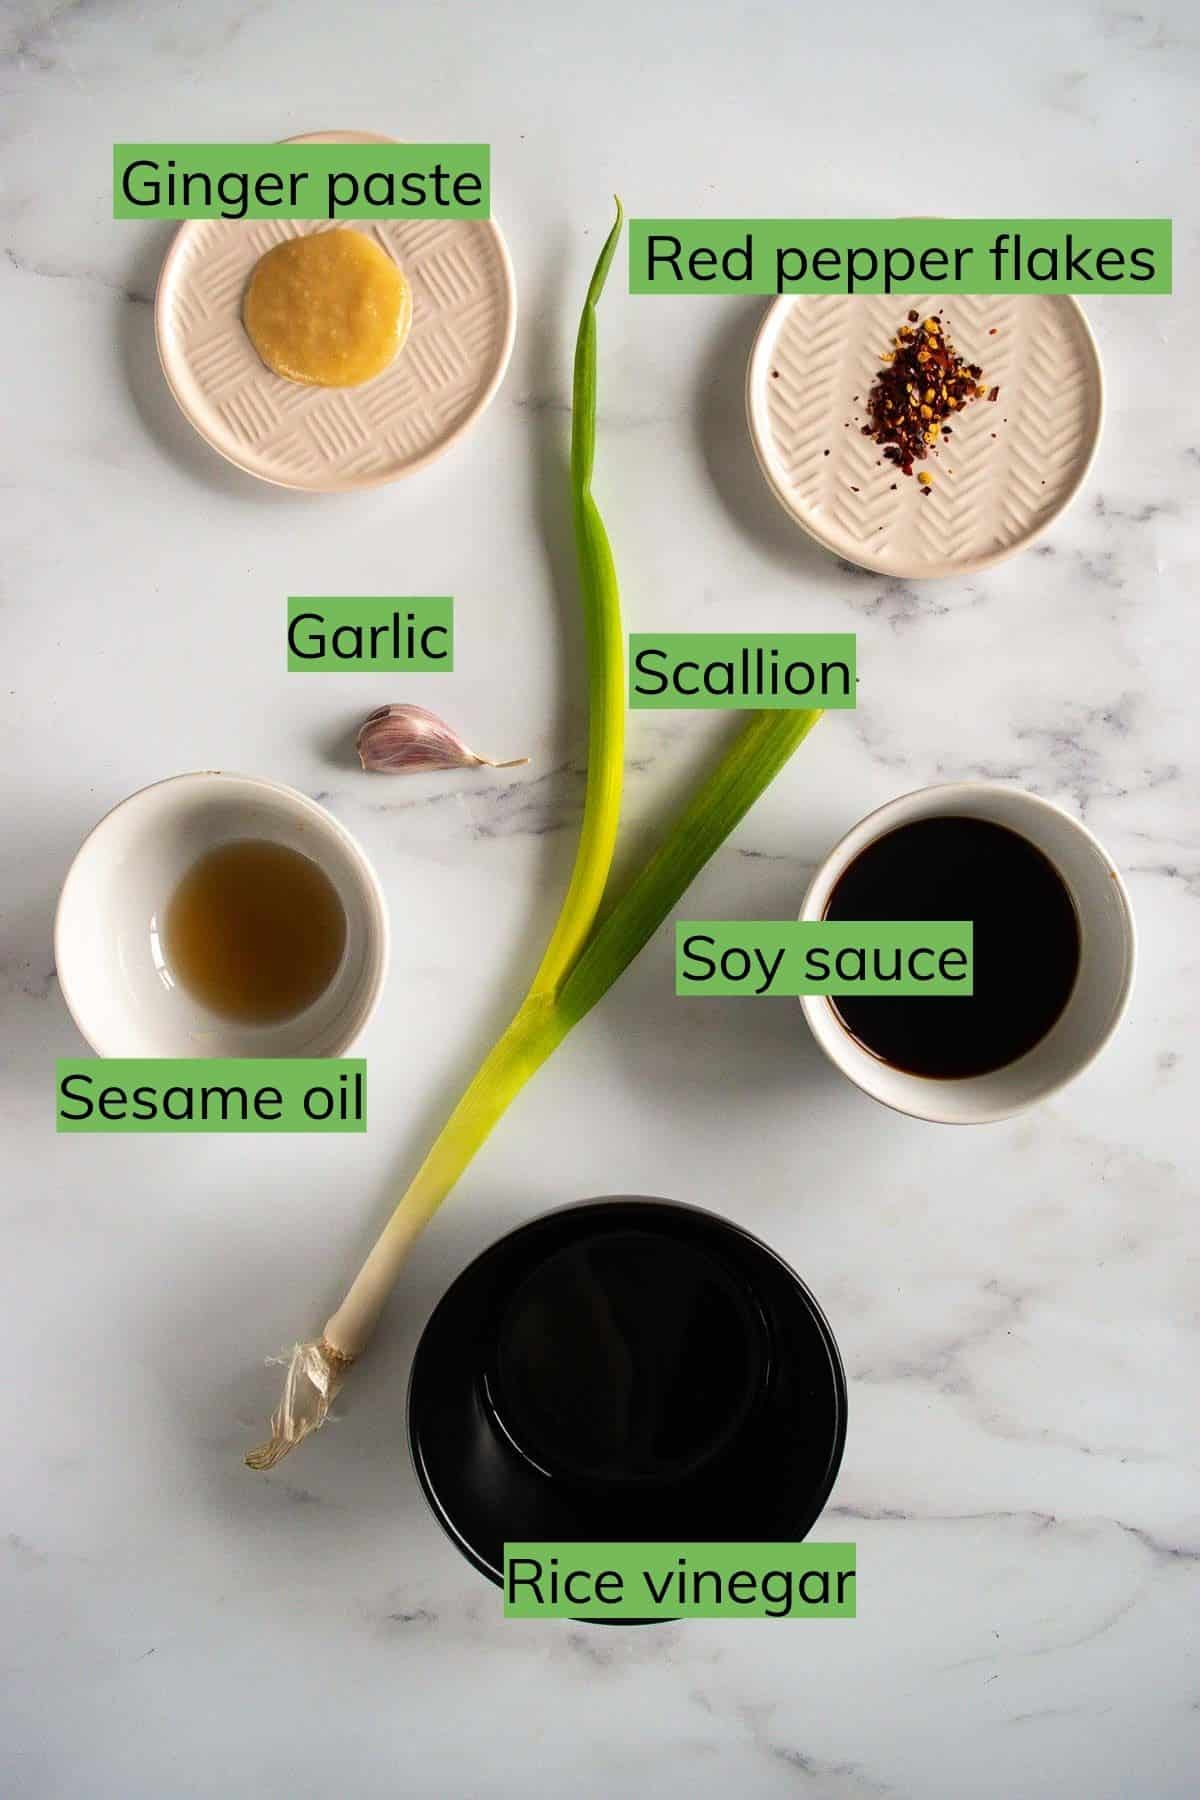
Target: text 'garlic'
point(398, 740)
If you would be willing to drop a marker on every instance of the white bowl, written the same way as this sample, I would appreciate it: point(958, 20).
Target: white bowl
point(1102, 986)
point(111, 968)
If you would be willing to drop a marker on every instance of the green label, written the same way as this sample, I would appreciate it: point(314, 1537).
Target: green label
point(824, 956)
point(233, 1093)
point(370, 632)
point(703, 670)
point(899, 256)
point(301, 181)
point(680, 1581)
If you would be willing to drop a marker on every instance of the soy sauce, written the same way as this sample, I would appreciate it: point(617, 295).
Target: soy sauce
point(1026, 943)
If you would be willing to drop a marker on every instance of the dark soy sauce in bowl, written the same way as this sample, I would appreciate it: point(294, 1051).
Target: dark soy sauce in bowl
point(1026, 943)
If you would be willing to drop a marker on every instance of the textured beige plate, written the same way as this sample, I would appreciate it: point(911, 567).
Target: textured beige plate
point(991, 495)
point(330, 439)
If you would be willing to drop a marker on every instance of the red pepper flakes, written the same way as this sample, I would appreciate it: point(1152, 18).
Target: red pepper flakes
point(923, 382)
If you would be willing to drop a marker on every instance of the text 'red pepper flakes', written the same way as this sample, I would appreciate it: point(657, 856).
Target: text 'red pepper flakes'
point(922, 384)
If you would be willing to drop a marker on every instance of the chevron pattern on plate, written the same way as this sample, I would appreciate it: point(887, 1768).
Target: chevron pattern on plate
point(323, 438)
point(1007, 468)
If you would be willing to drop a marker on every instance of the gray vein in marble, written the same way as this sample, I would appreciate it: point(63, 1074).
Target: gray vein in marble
point(25, 43)
point(532, 402)
point(1102, 567)
point(1152, 33)
point(1159, 1548)
point(1070, 754)
point(36, 43)
point(529, 806)
point(938, 1371)
point(1102, 1626)
point(772, 856)
point(17, 976)
point(23, 1551)
point(1057, 1712)
point(600, 1648)
point(1189, 879)
point(758, 1720)
point(941, 1365)
point(1067, 91)
point(872, 734)
point(556, 401)
point(298, 1496)
point(1137, 515)
point(532, 807)
point(903, 604)
point(91, 277)
point(823, 1770)
point(937, 1366)
point(1076, 745)
point(509, 798)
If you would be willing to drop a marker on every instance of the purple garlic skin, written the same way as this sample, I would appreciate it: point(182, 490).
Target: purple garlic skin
point(407, 740)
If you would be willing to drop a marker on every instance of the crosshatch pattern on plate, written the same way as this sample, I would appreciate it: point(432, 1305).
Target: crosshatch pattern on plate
point(337, 437)
point(1010, 465)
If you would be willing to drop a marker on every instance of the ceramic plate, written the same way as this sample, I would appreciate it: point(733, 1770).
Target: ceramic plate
point(330, 439)
point(1010, 467)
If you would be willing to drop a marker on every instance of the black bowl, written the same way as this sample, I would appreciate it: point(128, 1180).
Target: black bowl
point(626, 1370)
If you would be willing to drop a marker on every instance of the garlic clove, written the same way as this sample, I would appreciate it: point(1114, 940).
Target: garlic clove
point(399, 740)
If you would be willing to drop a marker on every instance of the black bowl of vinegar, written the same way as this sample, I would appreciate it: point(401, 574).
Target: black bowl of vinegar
point(626, 1370)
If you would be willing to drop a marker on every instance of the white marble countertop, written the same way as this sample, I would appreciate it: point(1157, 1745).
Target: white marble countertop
point(1016, 1304)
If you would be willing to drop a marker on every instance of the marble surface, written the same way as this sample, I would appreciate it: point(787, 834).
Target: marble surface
point(1017, 1304)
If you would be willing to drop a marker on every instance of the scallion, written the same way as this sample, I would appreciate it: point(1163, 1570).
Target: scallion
point(591, 943)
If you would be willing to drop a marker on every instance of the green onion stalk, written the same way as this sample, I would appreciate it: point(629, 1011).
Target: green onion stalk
point(596, 936)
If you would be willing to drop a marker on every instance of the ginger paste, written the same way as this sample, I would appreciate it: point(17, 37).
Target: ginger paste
point(330, 309)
